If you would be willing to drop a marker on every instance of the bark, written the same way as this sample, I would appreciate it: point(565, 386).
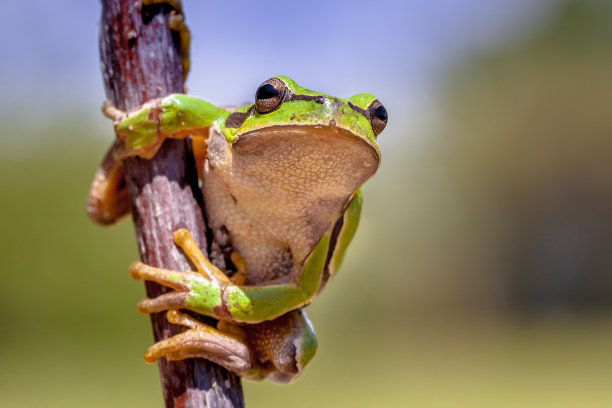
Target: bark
point(140, 61)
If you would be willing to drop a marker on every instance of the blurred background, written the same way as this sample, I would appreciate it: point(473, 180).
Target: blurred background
point(482, 271)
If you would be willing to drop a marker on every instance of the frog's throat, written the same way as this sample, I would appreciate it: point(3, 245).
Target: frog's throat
point(311, 134)
point(329, 162)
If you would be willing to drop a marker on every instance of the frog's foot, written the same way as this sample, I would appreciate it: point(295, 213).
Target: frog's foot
point(108, 199)
point(226, 348)
point(207, 301)
point(177, 23)
point(278, 349)
point(200, 291)
point(283, 346)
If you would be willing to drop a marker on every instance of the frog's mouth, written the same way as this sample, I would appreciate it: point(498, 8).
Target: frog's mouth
point(308, 157)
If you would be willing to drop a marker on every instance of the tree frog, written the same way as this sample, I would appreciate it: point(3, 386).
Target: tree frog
point(281, 180)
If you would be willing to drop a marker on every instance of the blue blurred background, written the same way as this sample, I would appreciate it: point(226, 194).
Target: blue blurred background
point(482, 271)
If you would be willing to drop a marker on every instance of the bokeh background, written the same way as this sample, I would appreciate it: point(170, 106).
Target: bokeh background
point(481, 275)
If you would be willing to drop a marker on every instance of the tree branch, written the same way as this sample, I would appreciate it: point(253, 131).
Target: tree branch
point(141, 61)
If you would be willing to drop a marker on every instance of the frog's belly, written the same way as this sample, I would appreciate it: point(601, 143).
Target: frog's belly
point(260, 241)
point(277, 192)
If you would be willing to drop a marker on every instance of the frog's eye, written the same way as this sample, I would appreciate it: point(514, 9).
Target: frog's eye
point(378, 117)
point(270, 95)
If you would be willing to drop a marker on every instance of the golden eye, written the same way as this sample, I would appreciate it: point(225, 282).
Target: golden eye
point(378, 117)
point(270, 95)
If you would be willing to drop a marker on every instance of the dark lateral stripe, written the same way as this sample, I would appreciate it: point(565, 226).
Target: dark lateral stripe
point(359, 110)
point(322, 99)
point(333, 241)
point(235, 119)
point(299, 97)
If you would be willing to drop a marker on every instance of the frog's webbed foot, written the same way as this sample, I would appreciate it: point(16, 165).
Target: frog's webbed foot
point(177, 23)
point(226, 348)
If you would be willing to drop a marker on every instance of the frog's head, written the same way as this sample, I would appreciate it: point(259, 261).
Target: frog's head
point(280, 102)
point(310, 130)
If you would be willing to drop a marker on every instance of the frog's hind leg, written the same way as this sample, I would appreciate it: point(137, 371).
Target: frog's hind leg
point(226, 348)
point(278, 349)
point(108, 199)
point(284, 345)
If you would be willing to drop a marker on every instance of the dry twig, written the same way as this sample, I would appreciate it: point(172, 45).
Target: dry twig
point(141, 61)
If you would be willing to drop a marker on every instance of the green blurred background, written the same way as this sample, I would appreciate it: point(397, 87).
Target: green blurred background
point(481, 275)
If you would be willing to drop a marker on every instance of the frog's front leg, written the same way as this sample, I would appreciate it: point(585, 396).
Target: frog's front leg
point(211, 293)
point(200, 291)
point(140, 133)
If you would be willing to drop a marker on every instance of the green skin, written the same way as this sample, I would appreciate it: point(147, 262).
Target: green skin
point(141, 133)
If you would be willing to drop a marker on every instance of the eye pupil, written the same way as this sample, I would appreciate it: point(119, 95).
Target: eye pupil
point(266, 91)
point(269, 96)
point(381, 113)
point(378, 117)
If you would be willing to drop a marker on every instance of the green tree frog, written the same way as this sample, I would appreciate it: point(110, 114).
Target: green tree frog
point(281, 181)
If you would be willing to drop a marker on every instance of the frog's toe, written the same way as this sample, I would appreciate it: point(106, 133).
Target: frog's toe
point(172, 300)
point(179, 281)
point(112, 112)
point(202, 341)
point(192, 291)
point(184, 240)
point(172, 279)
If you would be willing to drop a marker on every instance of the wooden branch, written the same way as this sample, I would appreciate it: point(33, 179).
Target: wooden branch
point(141, 61)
